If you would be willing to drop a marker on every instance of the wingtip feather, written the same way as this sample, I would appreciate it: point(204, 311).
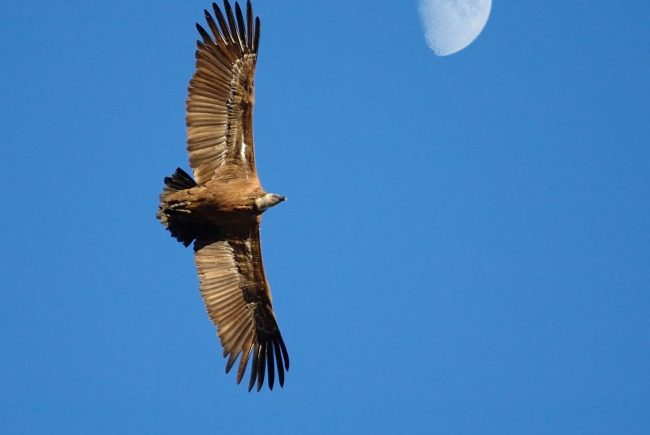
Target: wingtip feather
point(278, 358)
point(261, 367)
point(253, 377)
point(268, 347)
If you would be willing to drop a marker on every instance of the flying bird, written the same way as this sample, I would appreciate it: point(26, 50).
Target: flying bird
point(220, 209)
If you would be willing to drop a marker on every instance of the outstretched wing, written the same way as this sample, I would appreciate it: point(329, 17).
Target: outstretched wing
point(238, 300)
point(221, 94)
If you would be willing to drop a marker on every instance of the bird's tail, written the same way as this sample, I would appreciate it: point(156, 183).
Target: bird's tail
point(175, 220)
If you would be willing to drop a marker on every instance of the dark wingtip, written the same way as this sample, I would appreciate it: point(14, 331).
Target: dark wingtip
point(285, 354)
point(270, 365)
point(249, 25)
point(241, 26)
point(261, 367)
point(232, 358)
point(258, 29)
point(204, 34)
point(253, 377)
point(278, 358)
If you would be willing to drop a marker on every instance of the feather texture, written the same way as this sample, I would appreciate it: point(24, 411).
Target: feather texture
point(238, 300)
point(221, 94)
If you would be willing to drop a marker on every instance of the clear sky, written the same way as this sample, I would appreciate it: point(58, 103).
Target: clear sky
point(465, 248)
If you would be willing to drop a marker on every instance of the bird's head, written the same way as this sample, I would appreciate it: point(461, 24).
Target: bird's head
point(268, 201)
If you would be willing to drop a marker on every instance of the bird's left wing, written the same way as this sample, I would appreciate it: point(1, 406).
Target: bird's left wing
point(238, 300)
point(221, 94)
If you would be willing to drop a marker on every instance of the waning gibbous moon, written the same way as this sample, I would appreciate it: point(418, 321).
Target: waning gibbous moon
point(451, 25)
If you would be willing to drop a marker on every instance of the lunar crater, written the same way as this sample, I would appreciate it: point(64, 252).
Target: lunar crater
point(451, 25)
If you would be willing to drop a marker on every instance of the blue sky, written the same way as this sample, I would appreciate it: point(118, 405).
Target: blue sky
point(464, 250)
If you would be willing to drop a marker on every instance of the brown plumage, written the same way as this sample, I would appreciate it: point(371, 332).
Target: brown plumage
point(220, 209)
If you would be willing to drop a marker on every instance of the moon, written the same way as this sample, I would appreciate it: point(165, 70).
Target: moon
point(451, 25)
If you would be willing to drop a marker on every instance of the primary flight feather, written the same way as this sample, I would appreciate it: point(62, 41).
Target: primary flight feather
point(220, 209)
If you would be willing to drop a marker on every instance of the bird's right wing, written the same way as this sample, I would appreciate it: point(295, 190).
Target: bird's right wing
point(238, 300)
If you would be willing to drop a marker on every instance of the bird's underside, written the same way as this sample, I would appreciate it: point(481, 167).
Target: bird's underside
point(219, 210)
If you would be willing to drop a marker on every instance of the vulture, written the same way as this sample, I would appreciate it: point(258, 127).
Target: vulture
point(220, 208)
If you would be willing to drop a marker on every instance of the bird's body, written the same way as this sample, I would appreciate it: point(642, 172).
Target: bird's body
point(219, 210)
point(218, 202)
